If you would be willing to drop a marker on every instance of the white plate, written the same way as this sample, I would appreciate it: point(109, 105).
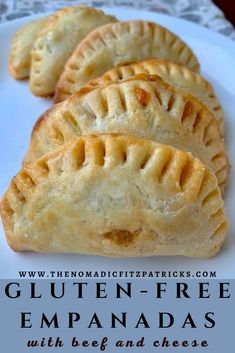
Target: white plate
point(19, 109)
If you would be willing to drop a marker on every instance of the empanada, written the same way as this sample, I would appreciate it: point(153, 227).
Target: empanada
point(116, 196)
point(143, 106)
point(172, 73)
point(121, 43)
point(23, 41)
point(56, 42)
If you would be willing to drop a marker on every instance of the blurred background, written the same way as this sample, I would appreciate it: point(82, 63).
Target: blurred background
point(228, 7)
point(218, 15)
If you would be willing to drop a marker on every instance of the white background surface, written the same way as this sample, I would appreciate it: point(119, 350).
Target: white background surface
point(19, 110)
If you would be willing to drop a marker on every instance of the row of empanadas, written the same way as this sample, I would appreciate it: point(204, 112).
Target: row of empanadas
point(133, 162)
point(51, 41)
point(143, 106)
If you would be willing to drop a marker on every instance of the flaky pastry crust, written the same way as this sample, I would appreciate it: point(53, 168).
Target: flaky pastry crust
point(172, 73)
point(118, 196)
point(143, 106)
point(121, 43)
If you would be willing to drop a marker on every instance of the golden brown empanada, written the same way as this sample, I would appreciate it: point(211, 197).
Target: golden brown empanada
point(121, 43)
point(116, 196)
point(143, 106)
point(19, 63)
point(174, 74)
point(56, 42)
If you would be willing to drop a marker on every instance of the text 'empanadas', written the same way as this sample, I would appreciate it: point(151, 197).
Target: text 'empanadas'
point(117, 196)
point(143, 106)
point(174, 74)
point(61, 34)
point(121, 43)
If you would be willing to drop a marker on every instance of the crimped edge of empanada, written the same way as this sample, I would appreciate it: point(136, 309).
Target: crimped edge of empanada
point(36, 54)
point(97, 40)
point(153, 67)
